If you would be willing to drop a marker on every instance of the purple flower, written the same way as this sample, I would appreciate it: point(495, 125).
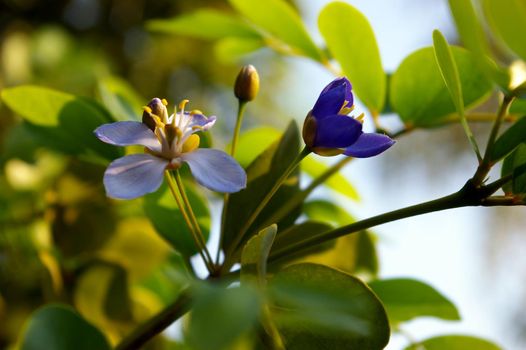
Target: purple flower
point(169, 142)
point(328, 130)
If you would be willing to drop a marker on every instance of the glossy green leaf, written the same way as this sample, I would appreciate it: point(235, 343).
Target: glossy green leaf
point(255, 255)
point(454, 342)
point(220, 316)
point(509, 140)
point(162, 210)
point(281, 21)
point(297, 233)
point(515, 164)
point(59, 327)
point(205, 24)
point(61, 121)
point(262, 173)
point(419, 94)
point(507, 18)
point(253, 142)
point(337, 182)
point(473, 38)
point(448, 69)
point(316, 307)
point(405, 299)
point(351, 41)
point(232, 49)
point(121, 100)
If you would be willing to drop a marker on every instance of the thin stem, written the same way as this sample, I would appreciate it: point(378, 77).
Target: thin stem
point(239, 119)
point(173, 188)
point(197, 228)
point(239, 238)
point(467, 196)
point(235, 137)
point(485, 166)
point(157, 324)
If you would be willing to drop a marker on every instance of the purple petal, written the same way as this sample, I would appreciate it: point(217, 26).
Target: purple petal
point(127, 134)
point(348, 89)
point(216, 170)
point(369, 145)
point(337, 131)
point(134, 175)
point(330, 102)
point(202, 121)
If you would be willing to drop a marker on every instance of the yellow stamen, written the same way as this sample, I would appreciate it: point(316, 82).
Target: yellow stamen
point(182, 104)
point(360, 118)
point(191, 143)
point(164, 102)
point(197, 127)
point(147, 109)
point(196, 111)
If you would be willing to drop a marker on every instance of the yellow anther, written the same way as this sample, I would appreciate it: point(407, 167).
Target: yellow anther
point(147, 109)
point(182, 104)
point(164, 102)
point(360, 118)
point(191, 143)
point(197, 127)
point(196, 111)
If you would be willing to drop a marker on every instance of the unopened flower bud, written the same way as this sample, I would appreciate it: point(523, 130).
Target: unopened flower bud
point(247, 84)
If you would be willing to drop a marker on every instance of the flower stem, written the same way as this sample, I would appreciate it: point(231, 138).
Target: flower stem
point(235, 137)
point(241, 235)
point(486, 164)
point(173, 188)
point(191, 214)
point(157, 324)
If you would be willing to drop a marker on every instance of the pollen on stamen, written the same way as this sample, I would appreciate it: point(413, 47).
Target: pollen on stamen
point(182, 104)
point(360, 118)
point(164, 102)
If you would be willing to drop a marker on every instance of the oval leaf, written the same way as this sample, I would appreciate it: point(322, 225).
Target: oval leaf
point(405, 299)
point(515, 164)
point(62, 121)
point(509, 140)
point(418, 92)
point(279, 19)
point(351, 41)
point(454, 342)
point(255, 254)
point(59, 327)
point(316, 307)
point(205, 24)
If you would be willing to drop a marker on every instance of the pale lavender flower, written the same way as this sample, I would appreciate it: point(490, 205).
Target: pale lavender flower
point(169, 142)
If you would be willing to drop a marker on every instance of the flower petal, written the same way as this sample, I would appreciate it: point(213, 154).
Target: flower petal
point(134, 175)
point(348, 89)
point(202, 121)
point(369, 145)
point(329, 102)
point(127, 134)
point(337, 131)
point(216, 170)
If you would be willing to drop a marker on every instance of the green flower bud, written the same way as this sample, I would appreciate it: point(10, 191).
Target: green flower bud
point(247, 84)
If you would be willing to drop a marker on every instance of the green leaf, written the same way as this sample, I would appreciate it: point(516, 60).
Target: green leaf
point(325, 211)
point(121, 100)
point(231, 50)
point(253, 142)
point(507, 18)
point(220, 316)
point(405, 299)
point(118, 302)
point(59, 327)
point(472, 36)
point(262, 173)
point(351, 41)
point(61, 121)
point(206, 24)
point(255, 254)
point(337, 182)
point(515, 163)
point(454, 342)
point(419, 94)
point(509, 140)
point(448, 69)
point(316, 307)
point(281, 21)
point(160, 207)
point(297, 233)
